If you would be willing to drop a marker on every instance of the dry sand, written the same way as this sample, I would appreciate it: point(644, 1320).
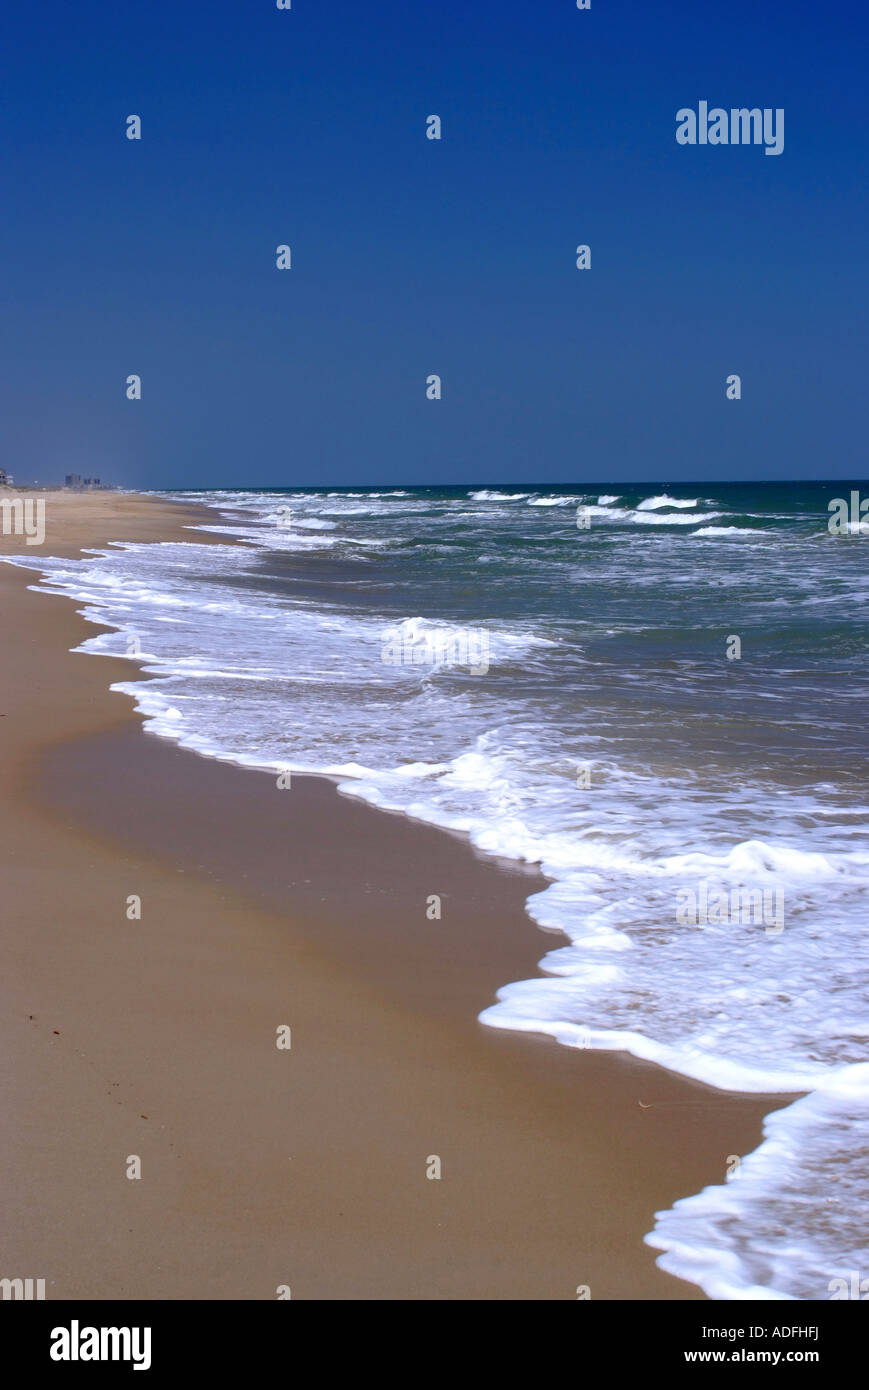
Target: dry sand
point(263, 907)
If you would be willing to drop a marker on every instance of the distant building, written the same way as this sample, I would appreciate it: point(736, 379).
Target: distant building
point(4, 476)
point(76, 480)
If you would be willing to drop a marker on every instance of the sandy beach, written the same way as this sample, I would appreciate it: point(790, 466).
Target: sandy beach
point(263, 907)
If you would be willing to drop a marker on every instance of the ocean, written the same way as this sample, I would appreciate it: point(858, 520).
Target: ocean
point(653, 693)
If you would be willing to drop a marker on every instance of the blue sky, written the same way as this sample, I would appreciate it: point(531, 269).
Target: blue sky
point(412, 256)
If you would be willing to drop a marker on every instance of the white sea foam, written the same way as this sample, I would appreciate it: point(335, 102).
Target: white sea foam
point(725, 531)
point(667, 519)
point(313, 523)
point(651, 504)
point(728, 1238)
point(486, 496)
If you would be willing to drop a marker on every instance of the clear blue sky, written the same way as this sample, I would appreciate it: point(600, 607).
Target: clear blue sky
point(413, 256)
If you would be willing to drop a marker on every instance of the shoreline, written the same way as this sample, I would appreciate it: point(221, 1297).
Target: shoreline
point(263, 908)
